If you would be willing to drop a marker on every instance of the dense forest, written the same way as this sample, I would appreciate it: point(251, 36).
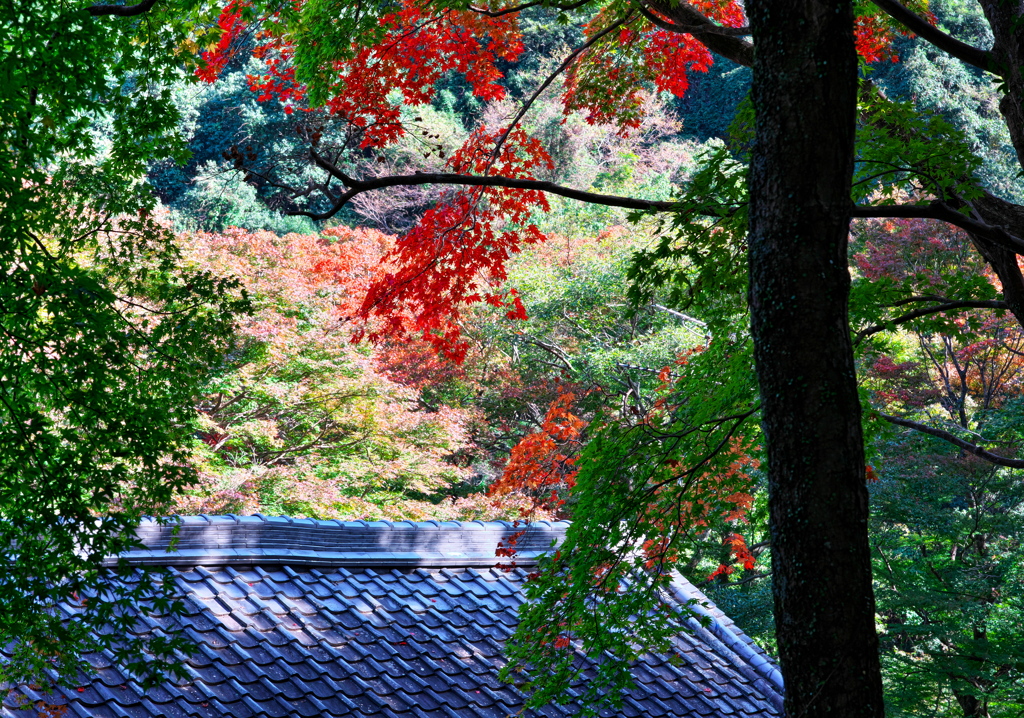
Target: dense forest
point(197, 321)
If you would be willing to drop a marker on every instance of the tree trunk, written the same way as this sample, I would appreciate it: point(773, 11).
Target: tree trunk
point(804, 94)
point(1008, 51)
point(972, 706)
point(1000, 213)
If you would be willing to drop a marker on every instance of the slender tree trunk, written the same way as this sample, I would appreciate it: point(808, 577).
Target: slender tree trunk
point(804, 93)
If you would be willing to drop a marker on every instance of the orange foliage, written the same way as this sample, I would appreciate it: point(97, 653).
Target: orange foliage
point(543, 463)
point(739, 553)
point(874, 40)
point(716, 488)
point(738, 546)
point(722, 570)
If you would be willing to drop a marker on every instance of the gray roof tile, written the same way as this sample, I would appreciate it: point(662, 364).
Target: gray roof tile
point(397, 620)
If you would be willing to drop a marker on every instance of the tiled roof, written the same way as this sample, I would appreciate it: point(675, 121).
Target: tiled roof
point(324, 618)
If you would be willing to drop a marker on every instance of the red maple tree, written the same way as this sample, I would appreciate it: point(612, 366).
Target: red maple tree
point(456, 254)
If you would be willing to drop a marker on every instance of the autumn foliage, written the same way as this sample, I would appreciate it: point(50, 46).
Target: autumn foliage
point(965, 361)
point(456, 254)
point(418, 299)
point(543, 464)
point(307, 423)
point(689, 474)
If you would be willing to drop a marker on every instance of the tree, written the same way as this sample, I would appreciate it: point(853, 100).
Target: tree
point(798, 313)
point(945, 533)
point(105, 339)
point(945, 526)
point(337, 68)
point(804, 98)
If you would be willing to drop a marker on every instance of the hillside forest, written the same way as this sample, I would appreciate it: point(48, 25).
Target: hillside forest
point(197, 321)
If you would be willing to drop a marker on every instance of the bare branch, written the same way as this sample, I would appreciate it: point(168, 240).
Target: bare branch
point(956, 441)
point(357, 187)
point(925, 311)
point(982, 59)
point(942, 211)
point(552, 349)
point(547, 83)
point(754, 577)
point(709, 29)
point(679, 315)
point(921, 298)
point(121, 10)
point(637, 367)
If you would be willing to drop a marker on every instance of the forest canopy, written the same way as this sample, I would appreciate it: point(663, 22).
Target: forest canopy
point(606, 261)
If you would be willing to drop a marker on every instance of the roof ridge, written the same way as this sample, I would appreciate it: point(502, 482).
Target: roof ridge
point(257, 539)
point(306, 521)
point(732, 637)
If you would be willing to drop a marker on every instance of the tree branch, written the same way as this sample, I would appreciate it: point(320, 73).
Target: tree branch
point(998, 212)
point(925, 311)
point(708, 29)
point(956, 441)
point(982, 59)
point(935, 210)
point(921, 298)
point(753, 577)
point(357, 187)
point(946, 213)
point(684, 16)
point(121, 10)
point(547, 82)
point(679, 315)
point(740, 582)
point(524, 6)
point(551, 349)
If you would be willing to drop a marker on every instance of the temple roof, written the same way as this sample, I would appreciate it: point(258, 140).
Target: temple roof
point(325, 618)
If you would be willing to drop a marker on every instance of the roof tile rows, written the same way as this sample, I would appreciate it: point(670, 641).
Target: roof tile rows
point(288, 638)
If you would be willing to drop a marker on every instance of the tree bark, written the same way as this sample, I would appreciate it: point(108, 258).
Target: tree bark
point(1007, 56)
point(972, 706)
point(804, 94)
point(1008, 216)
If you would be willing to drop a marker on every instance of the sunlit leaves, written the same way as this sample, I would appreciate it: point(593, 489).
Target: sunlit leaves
point(624, 53)
point(543, 464)
point(898, 259)
point(403, 51)
point(456, 255)
point(904, 151)
point(646, 486)
point(106, 338)
point(701, 253)
point(945, 526)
